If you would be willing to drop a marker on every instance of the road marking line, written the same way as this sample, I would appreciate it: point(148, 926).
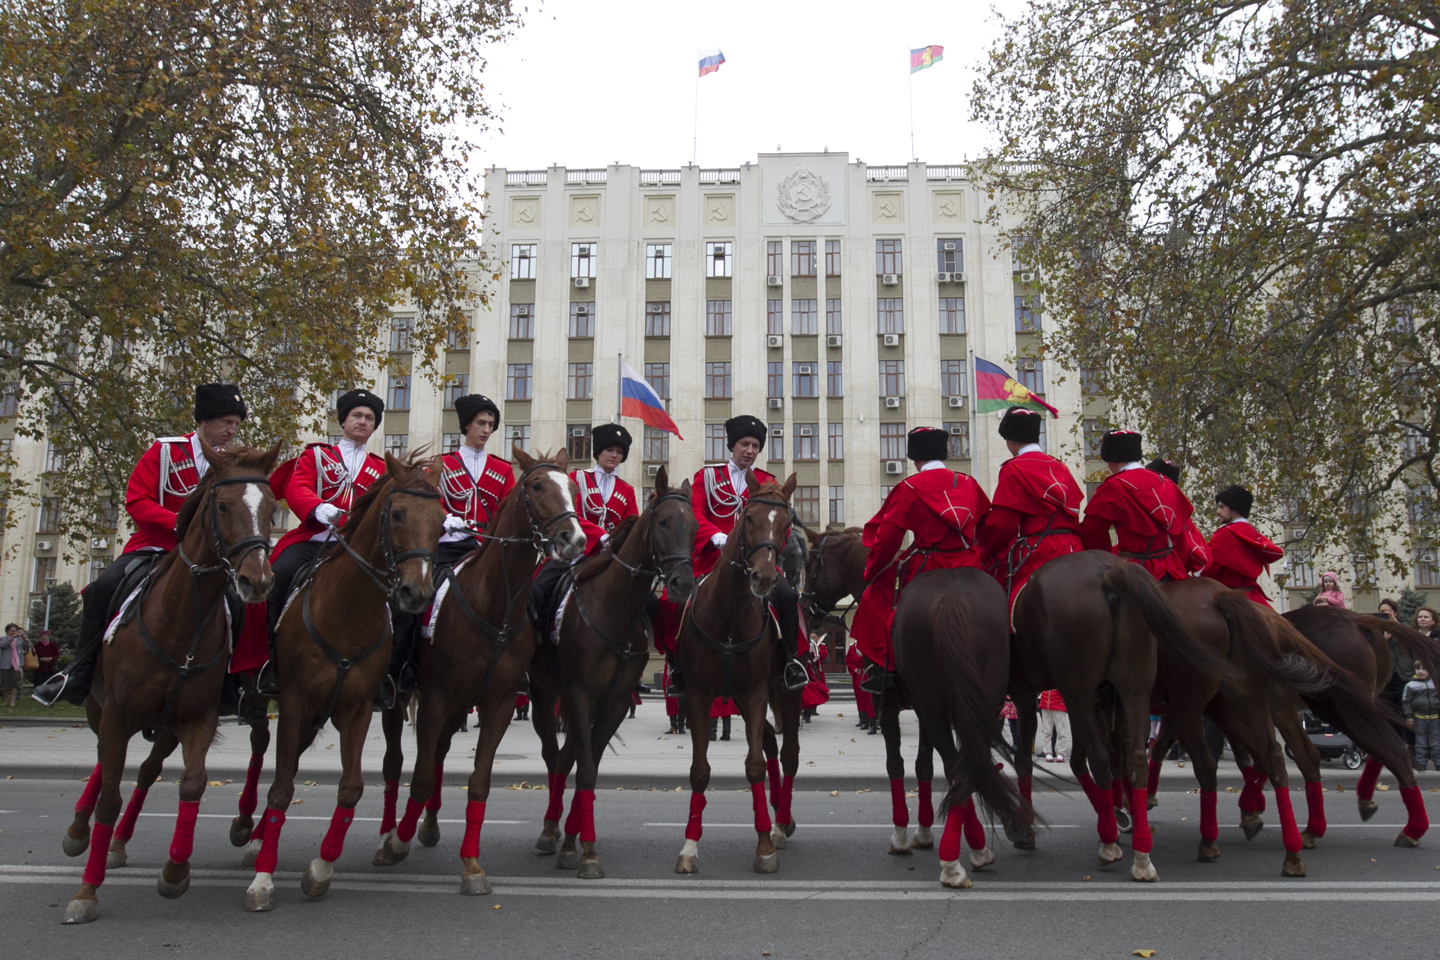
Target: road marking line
point(292, 817)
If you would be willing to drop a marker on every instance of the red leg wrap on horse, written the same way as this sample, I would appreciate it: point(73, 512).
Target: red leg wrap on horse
point(1289, 831)
point(99, 849)
point(183, 842)
point(1418, 820)
point(585, 805)
point(1152, 778)
point(91, 793)
point(1025, 784)
point(949, 848)
point(250, 795)
point(572, 822)
point(1252, 798)
point(1117, 793)
point(772, 771)
point(1140, 838)
point(899, 811)
point(405, 829)
point(334, 843)
point(693, 826)
point(433, 804)
point(258, 833)
point(1315, 805)
point(269, 854)
point(787, 792)
point(925, 816)
point(974, 829)
point(762, 809)
point(125, 829)
point(474, 820)
point(556, 806)
point(392, 797)
point(1103, 802)
point(1088, 785)
point(1370, 776)
point(1209, 822)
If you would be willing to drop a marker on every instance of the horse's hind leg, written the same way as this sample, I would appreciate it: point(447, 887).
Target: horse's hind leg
point(787, 712)
point(542, 718)
point(952, 874)
point(429, 727)
point(1028, 721)
point(244, 823)
point(1091, 755)
point(392, 725)
point(1307, 758)
point(697, 710)
point(165, 744)
point(84, 906)
point(607, 717)
point(429, 831)
point(353, 724)
point(1137, 724)
point(924, 838)
point(895, 771)
point(1164, 740)
point(1188, 727)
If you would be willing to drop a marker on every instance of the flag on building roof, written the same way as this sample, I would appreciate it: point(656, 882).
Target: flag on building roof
point(997, 390)
point(710, 61)
point(925, 57)
point(639, 400)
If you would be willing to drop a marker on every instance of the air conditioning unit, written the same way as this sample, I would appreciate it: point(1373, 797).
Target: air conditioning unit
point(889, 279)
point(516, 433)
point(773, 282)
point(777, 403)
point(943, 277)
point(892, 339)
point(833, 340)
point(777, 431)
point(652, 469)
point(807, 431)
point(957, 277)
point(1027, 277)
point(957, 431)
point(577, 431)
point(582, 309)
point(43, 545)
point(1427, 558)
point(100, 543)
point(892, 403)
point(582, 283)
point(522, 310)
point(949, 246)
point(894, 467)
point(806, 369)
point(774, 341)
point(956, 403)
point(1298, 533)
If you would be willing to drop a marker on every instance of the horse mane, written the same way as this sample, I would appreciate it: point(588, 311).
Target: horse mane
point(417, 473)
point(600, 560)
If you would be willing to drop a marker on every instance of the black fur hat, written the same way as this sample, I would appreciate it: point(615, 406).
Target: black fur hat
point(471, 405)
point(1020, 424)
point(1165, 468)
point(359, 398)
point(1237, 498)
point(1120, 446)
point(924, 444)
point(214, 400)
point(609, 435)
point(738, 428)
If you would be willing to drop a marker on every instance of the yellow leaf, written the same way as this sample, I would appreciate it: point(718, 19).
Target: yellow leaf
point(1142, 953)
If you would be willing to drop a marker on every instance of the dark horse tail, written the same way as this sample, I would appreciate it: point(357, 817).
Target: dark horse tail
point(1134, 585)
point(978, 731)
point(1282, 652)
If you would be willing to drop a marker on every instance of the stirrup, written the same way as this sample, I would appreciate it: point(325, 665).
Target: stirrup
point(676, 688)
point(385, 696)
point(874, 679)
point(794, 676)
point(267, 681)
point(48, 693)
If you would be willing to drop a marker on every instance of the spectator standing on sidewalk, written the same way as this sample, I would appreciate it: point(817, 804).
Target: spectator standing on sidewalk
point(47, 651)
point(12, 663)
point(1422, 715)
point(1053, 720)
point(1010, 718)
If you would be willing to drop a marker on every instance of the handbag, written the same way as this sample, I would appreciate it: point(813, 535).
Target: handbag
point(32, 662)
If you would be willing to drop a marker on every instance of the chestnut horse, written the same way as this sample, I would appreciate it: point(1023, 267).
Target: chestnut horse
point(603, 646)
point(333, 642)
point(480, 645)
point(734, 655)
point(163, 665)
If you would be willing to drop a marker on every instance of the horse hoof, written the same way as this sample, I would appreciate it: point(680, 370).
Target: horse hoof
point(391, 851)
point(777, 836)
point(173, 889)
point(474, 884)
point(979, 859)
point(115, 857)
point(924, 839)
point(546, 844)
point(73, 847)
point(1151, 802)
point(590, 869)
point(1209, 850)
point(1367, 809)
point(310, 883)
point(1405, 840)
point(240, 830)
point(951, 875)
point(1123, 821)
point(1013, 833)
point(1142, 870)
point(567, 859)
point(428, 836)
point(260, 901)
point(790, 828)
point(1110, 853)
point(766, 863)
point(900, 843)
point(687, 863)
point(1308, 839)
point(1251, 824)
point(1294, 866)
point(81, 911)
point(1026, 842)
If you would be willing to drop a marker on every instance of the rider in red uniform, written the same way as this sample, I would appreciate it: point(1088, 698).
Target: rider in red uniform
point(1194, 552)
point(164, 477)
point(1148, 512)
point(1238, 551)
point(943, 510)
point(473, 480)
point(1035, 514)
point(605, 499)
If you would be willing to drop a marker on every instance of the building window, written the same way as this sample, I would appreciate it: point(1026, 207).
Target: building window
point(522, 261)
point(657, 318)
point(833, 324)
point(577, 441)
point(9, 399)
point(1427, 567)
point(802, 258)
point(44, 574)
point(892, 441)
point(49, 518)
point(715, 442)
point(1027, 318)
point(834, 378)
point(332, 439)
point(518, 434)
point(1301, 569)
point(890, 312)
point(656, 445)
point(885, 489)
point(54, 458)
point(582, 320)
point(949, 254)
point(398, 445)
point(959, 431)
point(953, 381)
point(807, 381)
point(657, 261)
point(887, 257)
point(803, 319)
point(459, 339)
point(580, 381)
point(776, 448)
point(1092, 432)
point(1092, 381)
point(717, 318)
point(835, 441)
point(1031, 374)
point(97, 567)
point(582, 259)
point(775, 380)
point(658, 376)
point(397, 395)
point(717, 381)
point(806, 503)
point(107, 515)
point(774, 258)
point(892, 380)
point(522, 321)
point(1402, 317)
point(450, 442)
point(719, 262)
point(807, 441)
point(837, 505)
point(774, 317)
point(401, 327)
point(1365, 574)
point(952, 314)
point(458, 387)
point(1044, 442)
point(832, 258)
point(518, 378)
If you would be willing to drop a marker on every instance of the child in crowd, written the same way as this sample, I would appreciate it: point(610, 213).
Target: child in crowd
point(1422, 715)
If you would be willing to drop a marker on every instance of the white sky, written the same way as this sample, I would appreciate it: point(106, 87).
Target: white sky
point(586, 83)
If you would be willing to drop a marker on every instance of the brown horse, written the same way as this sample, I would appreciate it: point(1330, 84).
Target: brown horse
point(952, 652)
point(333, 645)
point(481, 644)
point(163, 666)
point(604, 644)
point(734, 655)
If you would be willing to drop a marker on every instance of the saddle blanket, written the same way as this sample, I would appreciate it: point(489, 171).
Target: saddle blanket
point(121, 615)
point(427, 627)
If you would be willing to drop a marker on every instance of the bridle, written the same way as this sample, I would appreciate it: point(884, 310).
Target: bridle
point(538, 537)
point(741, 565)
point(227, 563)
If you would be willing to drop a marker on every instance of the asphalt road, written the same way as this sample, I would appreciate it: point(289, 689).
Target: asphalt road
point(837, 893)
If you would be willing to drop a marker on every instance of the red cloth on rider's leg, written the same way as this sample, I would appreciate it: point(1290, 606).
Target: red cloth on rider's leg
point(253, 647)
point(334, 843)
point(1417, 820)
point(183, 841)
point(899, 810)
point(474, 820)
point(1315, 807)
point(694, 826)
point(125, 829)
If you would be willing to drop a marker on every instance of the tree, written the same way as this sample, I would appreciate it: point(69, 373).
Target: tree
point(1410, 603)
point(236, 190)
point(64, 604)
point(1234, 209)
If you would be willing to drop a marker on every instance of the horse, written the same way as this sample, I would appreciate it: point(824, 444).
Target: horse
point(158, 671)
point(952, 654)
point(734, 655)
point(481, 642)
point(333, 643)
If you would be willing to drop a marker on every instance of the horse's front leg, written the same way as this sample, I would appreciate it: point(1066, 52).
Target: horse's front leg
point(495, 712)
point(244, 823)
point(114, 738)
point(542, 718)
point(788, 714)
point(195, 741)
point(697, 714)
point(352, 724)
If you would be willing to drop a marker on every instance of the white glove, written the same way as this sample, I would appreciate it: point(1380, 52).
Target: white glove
point(454, 524)
point(328, 514)
point(719, 539)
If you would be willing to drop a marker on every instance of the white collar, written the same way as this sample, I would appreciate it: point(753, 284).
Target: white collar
point(1236, 520)
point(352, 454)
point(737, 474)
point(932, 465)
point(1029, 448)
point(604, 480)
point(601, 472)
point(473, 460)
point(202, 466)
point(1137, 465)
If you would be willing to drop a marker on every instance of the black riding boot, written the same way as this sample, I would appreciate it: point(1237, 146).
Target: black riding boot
point(73, 685)
point(713, 724)
point(788, 610)
point(874, 726)
point(724, 727)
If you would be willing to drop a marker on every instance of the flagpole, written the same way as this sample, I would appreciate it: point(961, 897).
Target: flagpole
point(695, 136)
point(974, 394)
point(619, 385)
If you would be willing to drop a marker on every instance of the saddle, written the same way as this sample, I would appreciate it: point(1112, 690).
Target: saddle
point(136, 574)
point(547, 593)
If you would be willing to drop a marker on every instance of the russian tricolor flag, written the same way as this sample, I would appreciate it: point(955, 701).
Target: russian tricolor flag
point(638, 399)
point(710, 61)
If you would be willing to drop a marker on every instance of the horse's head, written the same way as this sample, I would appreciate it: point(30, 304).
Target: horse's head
point(235, 506)
point(671, 537)
point(548, 497)
point(824, 578)
point(411, 523)
point(763, 531)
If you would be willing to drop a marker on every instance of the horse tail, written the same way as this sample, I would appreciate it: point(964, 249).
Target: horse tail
point(1411, 641)
point(1283, 653)
point(1132, 584)
point(976, 727)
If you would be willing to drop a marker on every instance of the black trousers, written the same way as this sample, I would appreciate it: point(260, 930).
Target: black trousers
point(95, 599)
point(787, 607)
point(285, 567)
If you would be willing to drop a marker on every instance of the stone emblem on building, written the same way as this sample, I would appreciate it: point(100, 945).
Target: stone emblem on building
point(803, 196)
